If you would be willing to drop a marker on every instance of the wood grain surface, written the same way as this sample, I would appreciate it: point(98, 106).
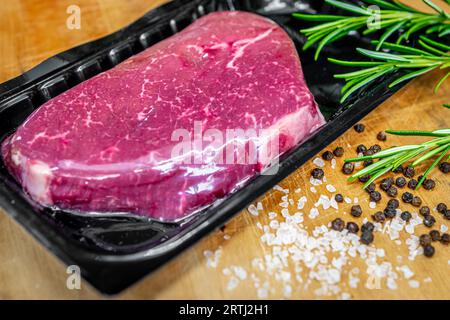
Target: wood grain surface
point(33, 30)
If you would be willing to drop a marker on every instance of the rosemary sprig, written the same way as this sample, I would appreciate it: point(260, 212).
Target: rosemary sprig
point(415, 62)
point(390, 159)
point(446, 105)
point(393, 17)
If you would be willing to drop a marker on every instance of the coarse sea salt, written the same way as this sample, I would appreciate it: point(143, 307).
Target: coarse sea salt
point(319, 162)
point(331, 188)
point(253, 210)
point(372, 204)
point(414, 284)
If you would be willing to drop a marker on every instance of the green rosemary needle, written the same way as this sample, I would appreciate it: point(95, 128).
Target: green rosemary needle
point(415, 62)
point(390, 16)
point(391, 158)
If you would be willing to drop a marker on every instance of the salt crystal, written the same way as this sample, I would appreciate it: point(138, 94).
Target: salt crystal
point(313, 190)
point(253, 210)
point(315, 182)
point(281, 189)
point(272, 215)
point(427, 279)
point(232, 283)
point(259, 206)
point(347, 200)
point(407, 273)
point(226, 237)
point(319, 162)
point(301, 202)
point(355, 200)
point(313, 213)
point(372, 204)
point(414, 283)
point(444, 228)
point(298, 190)
point(333, 163)
point(331, 188)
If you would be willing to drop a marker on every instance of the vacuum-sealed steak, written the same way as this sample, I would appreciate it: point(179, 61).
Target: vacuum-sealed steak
point(150, 136)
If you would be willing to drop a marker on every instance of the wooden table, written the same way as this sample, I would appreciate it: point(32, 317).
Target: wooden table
point(33, 30)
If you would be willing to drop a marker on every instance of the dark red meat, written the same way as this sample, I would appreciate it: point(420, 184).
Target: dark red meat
point(106, 145)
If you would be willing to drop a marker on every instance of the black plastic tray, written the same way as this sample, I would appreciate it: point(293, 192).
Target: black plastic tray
point(115, 251)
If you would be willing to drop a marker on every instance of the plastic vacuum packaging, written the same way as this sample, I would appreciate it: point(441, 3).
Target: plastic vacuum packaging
point(173, 128)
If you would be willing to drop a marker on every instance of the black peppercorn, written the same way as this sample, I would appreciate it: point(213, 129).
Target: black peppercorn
point(338, 224)
point(400, 182)
point(375, 148)
point(441, 207)
point(390, 212)
point(367, 162)
point(381, 136)
point(366, 237)
point(429, 221)
point(435, 235)
point(444, 167)
point(428, 251)
point(392, 192)
point(409, 172)
point(361, 148)
point(399, 169)
point(352, 227)
point(425, 240)
point(447, 214)
point(393, 203)
point(317, 173)
point(348, 168)
point(368, 153)
point(406, 216)
point(379, 217)
point(339, 198)
point(327, 155)
point(375, 196)
point(407, 197)
point(364, 178)
point(359, 127)
point(412, 184)
point(425, 211)
point(416, 201)
point(445, 238)
point(338, 152)
point(368, 226)
point(386, 183)
point(356, 211)
point(370, 187)
point(428, 184)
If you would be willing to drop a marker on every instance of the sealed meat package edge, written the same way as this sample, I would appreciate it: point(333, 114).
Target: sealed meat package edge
point(173, 128)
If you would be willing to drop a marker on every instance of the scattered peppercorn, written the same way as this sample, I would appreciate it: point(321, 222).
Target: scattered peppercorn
point(359, 127)
point(447, 214)
point(338, 224)
point(392, 192)
point(339, 198)
point(441, 207)
point(356, 211)
point(444, 167)
point(428, 251)
point(435, 235)
point(366, 237)
point(416, 201)
point(381, 136)
point(370, 187)
point(406, 216)
point(338, 152)
point(393, 203)
point(364, 178)
point(348, 168)
point(390, 212)
point(429, 221)
point(367, 162)
point(400, 182)
point(407, 197)
point(428, 184)
point(379, 216)
point(425, 211)
point(375, 148)
point(317, 173)
point(386, 183)
point(369, 153)
point(412, 184)
point(375, 196)
point(361, 148)
point(445, 238)
point(368, 226)
point(327, 155)
point(409, 172)
point(425, 240)
point(352, 227)
point(399, 169)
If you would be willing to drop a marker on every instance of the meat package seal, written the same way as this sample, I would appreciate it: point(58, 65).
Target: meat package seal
point(112, 250)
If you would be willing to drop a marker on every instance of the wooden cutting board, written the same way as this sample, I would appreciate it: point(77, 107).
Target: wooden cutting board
point(226, 264)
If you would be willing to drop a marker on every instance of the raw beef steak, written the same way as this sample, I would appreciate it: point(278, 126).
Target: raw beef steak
point(107, 144)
